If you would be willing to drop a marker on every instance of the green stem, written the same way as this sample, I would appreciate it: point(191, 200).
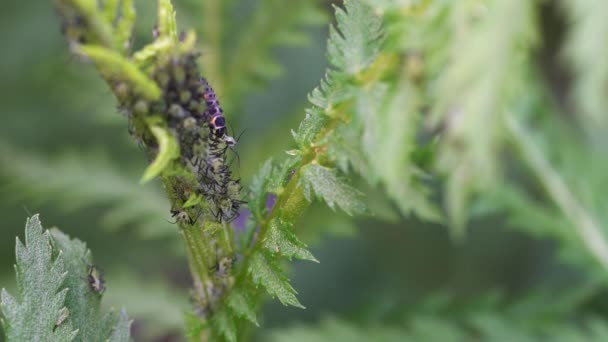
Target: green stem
point(197, 250)
point(584, 223)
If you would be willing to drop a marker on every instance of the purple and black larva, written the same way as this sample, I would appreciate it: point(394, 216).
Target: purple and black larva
point(214, 113)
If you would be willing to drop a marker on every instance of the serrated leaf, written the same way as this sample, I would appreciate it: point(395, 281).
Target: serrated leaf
point(122, 328)
point(259, 189)
point(167, 27)
point(224, 325)
point(83, 303)
point(326, 185)
point(334, 89)
point(240, 303)
point(356, 41)
point(115, 66)
point(279, 239)
point(310, 127)
point(475, 92)
point(40, 279)
point(390, 117)
point(265, 272)
point(251, 63)
point(168, 150)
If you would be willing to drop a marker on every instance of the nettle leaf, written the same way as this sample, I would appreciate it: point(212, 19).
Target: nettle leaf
point(224, 325)
point(327, 186)
point(242, 305)
point(112, 65)
point(281, 240)
point(356, 41)
point(313, 123)
point(265, 272)
point(40, 314)
point(168, 150)
point(251, 63)
point(121, 331)
point(258, 189)
point(52, 275)
point(334, 89)
point(390, 118)
point(84, 303)
point(477, 89)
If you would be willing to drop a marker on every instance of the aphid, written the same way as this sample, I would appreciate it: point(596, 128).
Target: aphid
point(96, 281)
point(223, 265)
point(183, 217)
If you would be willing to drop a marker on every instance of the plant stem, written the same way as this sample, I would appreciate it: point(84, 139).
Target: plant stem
point(585, 224)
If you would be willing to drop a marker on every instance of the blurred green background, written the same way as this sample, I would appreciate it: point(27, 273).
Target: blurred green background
point(65, 153)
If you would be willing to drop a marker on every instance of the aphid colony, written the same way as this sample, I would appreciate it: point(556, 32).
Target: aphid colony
point(194, 115)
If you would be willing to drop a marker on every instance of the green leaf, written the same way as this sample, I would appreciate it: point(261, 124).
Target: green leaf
point(327, 186)
point(167, 27)
point(251, 63)
point(224, 325)
point(585, 50)
point(476, 91)
point(42, 296)
point(310, 127)
point(168, 150)
point(238, 300)
point(265, 272)
point(390, 117)
point(84, 303)
point(112, 65)
point(356, 41)
point(122, 328)
point(259, 189)
point(279, 239)
point(65, 182)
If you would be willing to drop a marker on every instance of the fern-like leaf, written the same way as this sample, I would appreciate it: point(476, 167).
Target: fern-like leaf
point(324, 182)
point(40, 277)
point(66, 181)
point(355, 42)
point(265, 272)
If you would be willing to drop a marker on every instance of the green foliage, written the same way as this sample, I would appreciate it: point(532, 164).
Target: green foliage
point(584, 51)
point(481, 320)
point(475, 92)
point(168, 150)
point(427, 101)
point(57, 301)
point(355, 42)
point(66, 181)
point(40, 278)
point(113, 66)
point(250, 63)
point(324, 182)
